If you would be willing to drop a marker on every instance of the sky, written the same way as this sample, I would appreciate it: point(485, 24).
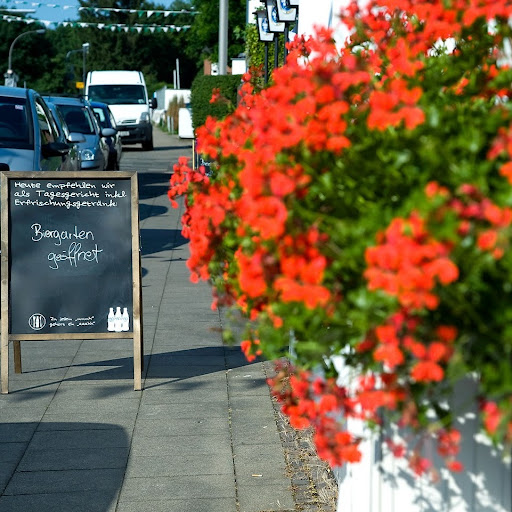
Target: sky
point(53, 10)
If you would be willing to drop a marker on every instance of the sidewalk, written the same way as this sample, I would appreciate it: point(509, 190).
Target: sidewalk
point(202, 435)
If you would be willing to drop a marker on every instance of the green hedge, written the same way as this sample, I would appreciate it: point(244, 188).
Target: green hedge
point(201, 94)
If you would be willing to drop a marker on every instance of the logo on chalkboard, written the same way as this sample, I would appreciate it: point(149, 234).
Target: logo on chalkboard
point(118, 321)
point(37, 321)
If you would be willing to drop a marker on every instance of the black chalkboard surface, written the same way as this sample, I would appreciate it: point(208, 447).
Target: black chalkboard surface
point(201, 160)
point(70, 258)
point(70, 248)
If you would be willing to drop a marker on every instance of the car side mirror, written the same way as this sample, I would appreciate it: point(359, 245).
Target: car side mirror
point(108, 132)
point(55, 149)
point(153, 103)
point(76, 137)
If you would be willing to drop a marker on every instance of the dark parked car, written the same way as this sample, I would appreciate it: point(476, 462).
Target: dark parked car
point(106, 119)
point(29, 136)
point(73, 163)
point(80, 118)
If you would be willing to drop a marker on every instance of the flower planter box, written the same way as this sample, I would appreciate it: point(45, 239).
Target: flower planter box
point(384, 483)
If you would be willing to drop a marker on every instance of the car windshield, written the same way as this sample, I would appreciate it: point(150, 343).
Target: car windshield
point(14, 126)
point(100, 116)
point(118, 94)
point(78, 119)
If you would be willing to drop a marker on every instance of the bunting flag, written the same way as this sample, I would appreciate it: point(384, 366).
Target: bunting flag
point(140, 12)
point(120, 27)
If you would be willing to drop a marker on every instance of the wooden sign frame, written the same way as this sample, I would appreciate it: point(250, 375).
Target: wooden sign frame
point(5, 267)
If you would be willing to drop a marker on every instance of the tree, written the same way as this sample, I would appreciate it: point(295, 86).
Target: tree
point(154, 53)
point(29, 53)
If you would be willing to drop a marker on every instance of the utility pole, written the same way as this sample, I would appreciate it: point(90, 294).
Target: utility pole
point(85, 51)
point(223, 37)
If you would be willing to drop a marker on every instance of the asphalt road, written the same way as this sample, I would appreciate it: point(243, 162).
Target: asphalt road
point(160, 159)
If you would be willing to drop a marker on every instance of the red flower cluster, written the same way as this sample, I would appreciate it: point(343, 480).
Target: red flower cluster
point(254, 232)
point(390, 108)
point(408, 263)
point(322, 404)
point(251, 349)
point(317, 403)
point(281, 262)
point(396, 341)
point(478, 216)
point(448, 442)
point(398, 346)
point(494, 419)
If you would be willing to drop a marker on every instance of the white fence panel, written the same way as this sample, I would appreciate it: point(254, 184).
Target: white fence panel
point(383, 483)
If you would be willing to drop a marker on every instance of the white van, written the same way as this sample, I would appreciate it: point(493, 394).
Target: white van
point(126, 94)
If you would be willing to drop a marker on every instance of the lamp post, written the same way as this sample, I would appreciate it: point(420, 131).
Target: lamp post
point(264, 35)
point(10, 77)
point(84, 50)
point(275, 26)
point(288, 15)
point(223, 36)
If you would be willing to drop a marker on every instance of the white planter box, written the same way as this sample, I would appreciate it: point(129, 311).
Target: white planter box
point(383, 483)
point(185, 130)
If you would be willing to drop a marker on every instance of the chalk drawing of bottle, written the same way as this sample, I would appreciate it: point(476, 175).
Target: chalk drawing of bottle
point(117, 320)
point(110, 319)
point(125, 320)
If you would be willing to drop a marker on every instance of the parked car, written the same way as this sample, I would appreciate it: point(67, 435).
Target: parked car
point(106, 119)
point(29, 137)
point(80, 118)
point(73, 163)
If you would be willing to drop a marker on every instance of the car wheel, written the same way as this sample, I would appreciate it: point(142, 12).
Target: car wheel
point(147, 145)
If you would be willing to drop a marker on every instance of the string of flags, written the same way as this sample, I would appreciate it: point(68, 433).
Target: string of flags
point(121, 27)
point(140, 12)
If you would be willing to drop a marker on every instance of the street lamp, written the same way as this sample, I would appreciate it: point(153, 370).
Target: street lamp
point(223, 36)
point(84, 50)
point(275, 26)
point(264, 35)
point(287, 14)
point(10, 77)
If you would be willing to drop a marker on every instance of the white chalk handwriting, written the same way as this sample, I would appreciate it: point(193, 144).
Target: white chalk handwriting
point(40, 233)
point(74, 255)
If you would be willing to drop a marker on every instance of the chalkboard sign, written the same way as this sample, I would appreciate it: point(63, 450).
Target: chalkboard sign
point(201, 160)
point(70, 256)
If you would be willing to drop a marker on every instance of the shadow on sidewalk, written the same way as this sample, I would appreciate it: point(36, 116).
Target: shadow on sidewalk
point(163, 368)
point(61, 466)
point(172, 148)
point(138, 149)
point(146, 211)
point(153, 184)
point(157, 240)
